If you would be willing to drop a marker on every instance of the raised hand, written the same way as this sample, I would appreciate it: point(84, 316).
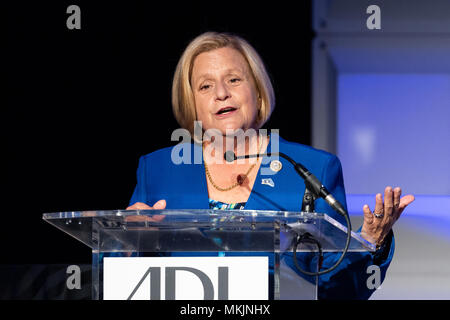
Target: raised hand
point(377, 225)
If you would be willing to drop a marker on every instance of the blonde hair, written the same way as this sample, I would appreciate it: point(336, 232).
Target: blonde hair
point(183, 104)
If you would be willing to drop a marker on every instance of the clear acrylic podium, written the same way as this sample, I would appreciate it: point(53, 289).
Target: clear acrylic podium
point(212, 233)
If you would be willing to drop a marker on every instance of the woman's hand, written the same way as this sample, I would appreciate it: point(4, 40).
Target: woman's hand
point(377, 225)
point(159, 205)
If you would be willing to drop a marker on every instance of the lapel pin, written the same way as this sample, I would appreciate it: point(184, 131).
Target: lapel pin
point(268, 182)
point(275, 165)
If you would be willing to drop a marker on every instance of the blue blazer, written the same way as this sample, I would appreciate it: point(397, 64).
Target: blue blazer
point(184, 186)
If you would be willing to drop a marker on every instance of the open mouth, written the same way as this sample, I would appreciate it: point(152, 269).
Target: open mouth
point(225, 110)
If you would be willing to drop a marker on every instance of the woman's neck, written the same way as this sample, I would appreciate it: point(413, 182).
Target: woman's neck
point(215, 148)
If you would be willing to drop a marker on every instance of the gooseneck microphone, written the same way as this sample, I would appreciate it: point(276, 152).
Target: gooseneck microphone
point(317, 188)
point(311, 182)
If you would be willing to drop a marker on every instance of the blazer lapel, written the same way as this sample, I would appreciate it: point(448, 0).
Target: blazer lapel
point(199, 187)
point(264, 195)
point(193, 191)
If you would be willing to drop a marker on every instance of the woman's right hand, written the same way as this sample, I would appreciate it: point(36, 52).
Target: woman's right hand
point(159, 205)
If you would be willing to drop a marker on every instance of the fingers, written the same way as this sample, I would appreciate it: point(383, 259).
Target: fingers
point(404, 202)
point(388, 210)
point(388, 201)
point(368, 230)
point(379, 210)
point(400, 203)
point(368, 216)
point(397, 194)
point(159, 205)
point(137, 218)
point(145, 218)
point(139, 206)
point(158, 217)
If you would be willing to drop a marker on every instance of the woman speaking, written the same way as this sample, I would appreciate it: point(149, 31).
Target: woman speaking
point(221, 83)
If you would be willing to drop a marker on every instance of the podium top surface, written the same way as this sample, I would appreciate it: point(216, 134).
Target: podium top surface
point(79, 224)
point(187, 213)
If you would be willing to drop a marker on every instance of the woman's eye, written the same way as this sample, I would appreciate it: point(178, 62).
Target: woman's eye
point(204, 87)
point(235, 80)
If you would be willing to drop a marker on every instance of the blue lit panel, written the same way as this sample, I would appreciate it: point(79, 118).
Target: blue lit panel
point(394, 129)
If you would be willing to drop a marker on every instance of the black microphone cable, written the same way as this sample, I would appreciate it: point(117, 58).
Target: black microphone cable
point(301, 239)
point(314, 185)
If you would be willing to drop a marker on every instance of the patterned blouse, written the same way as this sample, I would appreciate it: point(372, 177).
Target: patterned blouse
point(218, 205)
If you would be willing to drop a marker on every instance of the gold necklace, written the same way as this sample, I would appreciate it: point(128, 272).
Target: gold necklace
point(240, 179)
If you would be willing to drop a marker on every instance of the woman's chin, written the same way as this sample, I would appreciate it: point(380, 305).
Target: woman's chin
point(235, 129)
point(227, 131)
point(230, 129)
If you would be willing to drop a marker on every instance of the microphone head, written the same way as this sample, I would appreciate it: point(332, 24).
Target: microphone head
point(229, 156)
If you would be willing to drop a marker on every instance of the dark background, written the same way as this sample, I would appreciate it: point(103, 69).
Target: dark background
point(83, 105)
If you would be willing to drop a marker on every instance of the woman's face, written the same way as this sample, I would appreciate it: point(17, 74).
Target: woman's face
point(224, 91)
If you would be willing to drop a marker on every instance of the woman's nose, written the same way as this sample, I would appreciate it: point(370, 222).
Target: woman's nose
point(222, 92)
